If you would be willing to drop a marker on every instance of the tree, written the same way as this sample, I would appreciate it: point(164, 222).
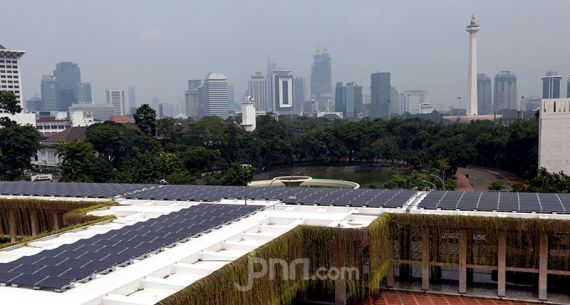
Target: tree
point(238, 175)
point(148, 167)
point(80, 163)
point(114, 142)
point(17, 146)
point(9, 103)
point(497, 185)
point(145, 118)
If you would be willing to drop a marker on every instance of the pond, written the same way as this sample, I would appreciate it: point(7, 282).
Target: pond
point(365, 175)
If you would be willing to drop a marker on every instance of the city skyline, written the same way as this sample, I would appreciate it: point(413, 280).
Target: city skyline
point(437, 27)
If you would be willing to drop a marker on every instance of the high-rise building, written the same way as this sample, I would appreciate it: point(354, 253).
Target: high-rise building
point(257, 88)
point(380, 89)
point(484, 95)
point(551, 84)
point(232, 98)
point(132, 96)
point(116, 98)
point(348, 99)
point(49, 93)
point(532, 103)
point(472, 29)
point(568, 87)
point(84, 93)
point(412, 101)
point(505, 96)
point(33, 104)
point(271, 67)
point(214, 93)
point(68, 77)
point(321, 80)
point(299, 91)
point(10, 77)
point(395, 102)
point(554, 132)
point(283, 92)
point(192, 99)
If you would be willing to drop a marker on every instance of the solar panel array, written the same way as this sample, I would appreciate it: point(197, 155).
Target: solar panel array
point(60, 189)
point(303, 196)
point(57, 269)
point(497, 201)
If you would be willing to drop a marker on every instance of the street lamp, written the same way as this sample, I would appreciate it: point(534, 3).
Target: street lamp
point(431, 183)
point(438, 177)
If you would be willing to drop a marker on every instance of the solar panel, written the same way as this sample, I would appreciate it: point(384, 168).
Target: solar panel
point(497, 201)
point(58, 268)
point(61, 189)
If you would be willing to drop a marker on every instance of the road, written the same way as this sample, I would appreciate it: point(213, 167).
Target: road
point(479, 178)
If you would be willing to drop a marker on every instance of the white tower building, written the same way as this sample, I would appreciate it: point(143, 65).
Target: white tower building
point(248, 113)
point(554, 135)
point(116, 98)
point(472, 29)
point(10, 77)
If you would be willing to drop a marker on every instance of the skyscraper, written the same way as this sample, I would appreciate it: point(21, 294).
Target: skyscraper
point(283, 92)
point(68, 77)
point(215, 95)
point(484, 94)
point(49, 93)
point(132, 100)
point(380, 89)
point(551, 84)
point(192, 99)
point(10, 77)
point(472, 29)
point(321, 80)
point(232, 98)
point(568, 87)
point(505, 96)
point(395, 102)
point(348, 99)
point(84, 93)
point(116, 98)
point(299, 91)
point(257, 88)
point(271, 67)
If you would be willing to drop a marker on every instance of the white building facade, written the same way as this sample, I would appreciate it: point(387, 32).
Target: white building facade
point(412, 100)
point(283, 92)
point(257, 88)
point(116, 98)
point(248, 114)
point(554, 139)
point(10, 78)
point(215, 97)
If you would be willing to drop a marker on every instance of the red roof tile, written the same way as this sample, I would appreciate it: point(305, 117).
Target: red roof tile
point(70, 134)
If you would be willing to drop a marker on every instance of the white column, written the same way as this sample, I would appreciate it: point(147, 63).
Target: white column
point(473, 28)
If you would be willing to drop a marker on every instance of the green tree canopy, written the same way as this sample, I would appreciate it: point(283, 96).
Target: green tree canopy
point(17, 146)
point(145, 118)
point(80, 163)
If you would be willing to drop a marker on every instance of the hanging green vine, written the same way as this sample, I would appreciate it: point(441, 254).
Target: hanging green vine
point(70, 215)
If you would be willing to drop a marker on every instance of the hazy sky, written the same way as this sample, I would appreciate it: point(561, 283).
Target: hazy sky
point(158, 45)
